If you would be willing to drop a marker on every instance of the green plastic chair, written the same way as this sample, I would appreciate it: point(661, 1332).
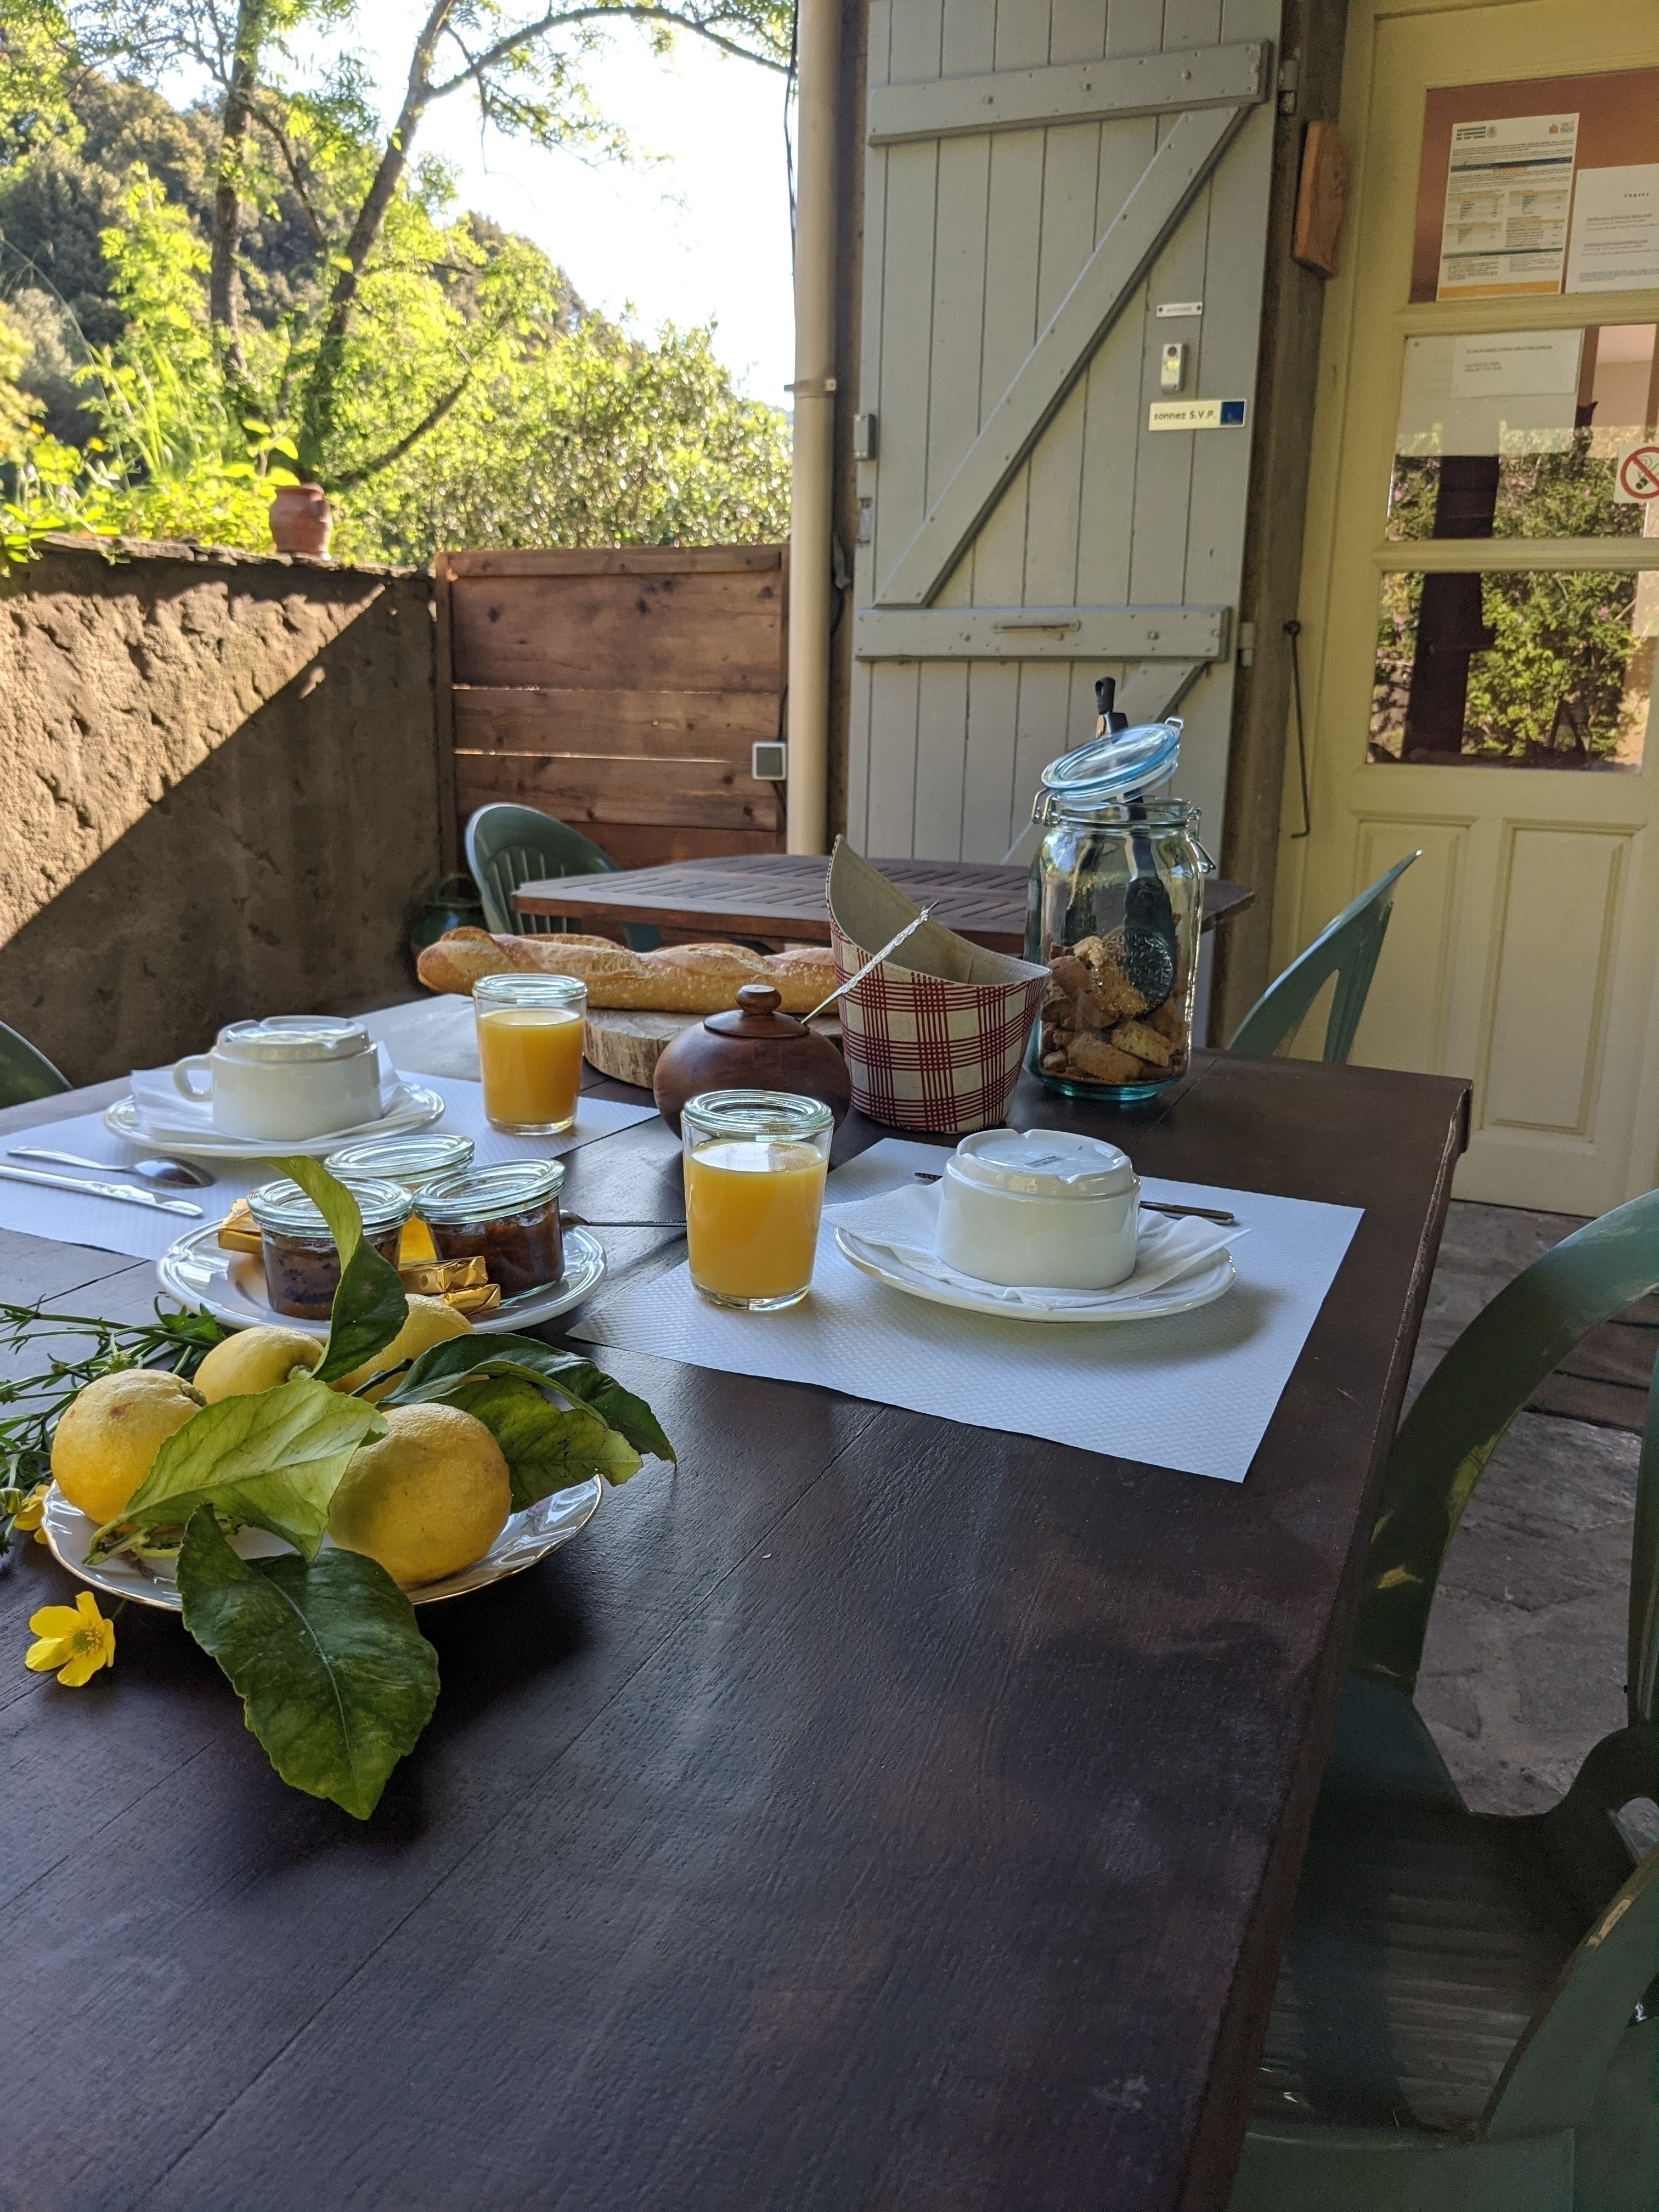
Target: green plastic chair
point(26, 1073)
point(1346, 948)
point(1466, 2018)
point(507, 846)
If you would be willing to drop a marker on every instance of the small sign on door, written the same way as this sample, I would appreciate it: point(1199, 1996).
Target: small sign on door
point(1636, 479)
point(1196, 415)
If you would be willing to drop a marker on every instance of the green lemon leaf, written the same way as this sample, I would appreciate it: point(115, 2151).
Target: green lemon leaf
point(335, 1679)
point(546, 1447)
point(273, 1459)
point(369, 1306)
point(437, 1373)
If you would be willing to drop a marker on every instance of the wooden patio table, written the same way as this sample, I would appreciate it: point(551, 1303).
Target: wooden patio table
point(781, 895)
point(870, 1811)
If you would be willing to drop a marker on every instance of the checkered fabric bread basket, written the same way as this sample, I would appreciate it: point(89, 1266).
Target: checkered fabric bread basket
point(925, 1051)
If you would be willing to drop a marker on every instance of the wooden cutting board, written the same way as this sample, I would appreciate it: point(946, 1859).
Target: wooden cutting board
point(627, 1046)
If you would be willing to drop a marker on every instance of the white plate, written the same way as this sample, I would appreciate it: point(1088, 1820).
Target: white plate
point(528, 1537)
point(1210, 1280)
point(232, 1285)
point(415, 1108)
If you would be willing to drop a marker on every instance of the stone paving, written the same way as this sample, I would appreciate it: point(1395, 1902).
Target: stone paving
point(1524, 1666)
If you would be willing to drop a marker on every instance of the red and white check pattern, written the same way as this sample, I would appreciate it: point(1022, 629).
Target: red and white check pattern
point(924, 1053)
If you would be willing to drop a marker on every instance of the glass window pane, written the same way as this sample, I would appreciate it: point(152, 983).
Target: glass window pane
point(1542, 669)
point(1517, 434)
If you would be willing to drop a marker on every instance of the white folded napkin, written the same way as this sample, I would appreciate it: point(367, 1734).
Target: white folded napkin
point(899, 1225)
point(165, 1114)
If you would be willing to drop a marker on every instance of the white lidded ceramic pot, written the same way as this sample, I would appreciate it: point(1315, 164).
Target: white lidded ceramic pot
point(287, 1077)
point(1042, 1207)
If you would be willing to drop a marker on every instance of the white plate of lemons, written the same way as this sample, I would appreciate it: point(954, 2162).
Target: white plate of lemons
point(430, 1498)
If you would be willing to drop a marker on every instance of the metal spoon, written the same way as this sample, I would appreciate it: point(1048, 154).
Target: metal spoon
point(177, 1174)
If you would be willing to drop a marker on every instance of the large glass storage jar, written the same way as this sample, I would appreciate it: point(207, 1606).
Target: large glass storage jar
point(1114, 912)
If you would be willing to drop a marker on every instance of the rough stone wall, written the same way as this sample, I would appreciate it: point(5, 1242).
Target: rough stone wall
point(219, 794)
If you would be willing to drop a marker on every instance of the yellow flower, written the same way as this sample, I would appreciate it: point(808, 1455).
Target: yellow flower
point(30, 1512)
point(76, 1639)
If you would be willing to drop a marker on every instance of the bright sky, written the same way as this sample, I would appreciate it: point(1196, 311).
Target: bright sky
point(702, 233)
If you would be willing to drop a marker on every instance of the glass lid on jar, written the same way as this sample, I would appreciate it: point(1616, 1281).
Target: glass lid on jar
point(489, 1194)
point(282, 1208)
point(1042, 1163)
point(289, 1037)
point(1116, 765)
point(407, 1160)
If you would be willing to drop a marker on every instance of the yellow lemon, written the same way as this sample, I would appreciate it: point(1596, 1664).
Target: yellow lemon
point(255, 1359)
point(427, 1498)
point(109, 1436)
point(429, 1322)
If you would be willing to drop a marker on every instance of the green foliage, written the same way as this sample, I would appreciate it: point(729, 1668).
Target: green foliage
point(437, 1374)
point(272, 1460)
point(77, 1348)
point(546, 1447)
point(1558, 681)
point(336, 1679)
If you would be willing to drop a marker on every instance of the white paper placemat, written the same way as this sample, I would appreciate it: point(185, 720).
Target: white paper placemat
point(1195, 1392)
point(112, 1227)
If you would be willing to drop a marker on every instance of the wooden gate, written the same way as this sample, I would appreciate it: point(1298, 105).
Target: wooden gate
point(1065, 212)
point(622, 691)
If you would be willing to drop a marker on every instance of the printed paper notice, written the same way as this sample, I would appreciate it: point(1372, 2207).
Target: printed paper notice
point(1508, 188)
point(1615, 230)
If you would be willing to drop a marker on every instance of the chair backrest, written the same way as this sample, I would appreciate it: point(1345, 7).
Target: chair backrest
point(507, 845)
point(26, 1073)
point(1460, 1415)
point(1346, 948)
point(1559, 2064)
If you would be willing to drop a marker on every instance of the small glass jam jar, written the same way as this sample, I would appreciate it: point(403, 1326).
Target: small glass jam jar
point(506, 1215)
point(302, 1268)
point(755, 1163)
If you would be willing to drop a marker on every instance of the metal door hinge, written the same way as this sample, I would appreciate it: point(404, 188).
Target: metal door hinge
point(1247, 645)
point(1290, 77)
point(865, 433)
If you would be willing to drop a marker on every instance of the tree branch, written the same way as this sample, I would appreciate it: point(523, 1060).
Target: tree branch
point(345, 479)
point(557, 18)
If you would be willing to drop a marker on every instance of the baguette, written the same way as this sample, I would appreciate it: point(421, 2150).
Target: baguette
point(687, 979)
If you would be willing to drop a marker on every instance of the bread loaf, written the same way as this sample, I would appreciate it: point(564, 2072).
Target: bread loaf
point(686, 979)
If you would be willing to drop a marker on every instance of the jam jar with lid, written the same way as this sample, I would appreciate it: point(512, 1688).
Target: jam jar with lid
point(508, 1215)
point(302, 1267)
point(1114, 912)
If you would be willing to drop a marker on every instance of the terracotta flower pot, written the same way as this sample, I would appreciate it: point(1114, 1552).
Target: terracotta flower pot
point(299, 519)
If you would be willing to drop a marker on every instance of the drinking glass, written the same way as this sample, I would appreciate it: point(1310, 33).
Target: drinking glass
point(755, 1164)
point(530, 1051)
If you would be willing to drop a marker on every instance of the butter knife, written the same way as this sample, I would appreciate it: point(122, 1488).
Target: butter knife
point(128, 1194)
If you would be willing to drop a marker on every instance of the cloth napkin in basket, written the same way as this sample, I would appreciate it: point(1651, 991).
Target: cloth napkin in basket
point(899, 1227)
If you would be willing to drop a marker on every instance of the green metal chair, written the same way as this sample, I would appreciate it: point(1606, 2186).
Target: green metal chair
point(507, 846)
point(1346, 948)
point(1466, 2018)
point(26, 1073)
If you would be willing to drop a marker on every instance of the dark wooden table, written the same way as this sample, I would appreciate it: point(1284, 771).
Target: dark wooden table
point(869, 1813)
point(781, 895)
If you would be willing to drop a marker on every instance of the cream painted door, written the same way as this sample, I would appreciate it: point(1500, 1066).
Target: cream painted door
point(1056, 192)
point(1476, 688)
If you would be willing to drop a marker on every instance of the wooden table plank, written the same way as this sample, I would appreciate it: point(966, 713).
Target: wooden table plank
point(870, 1811)
point(781, 895)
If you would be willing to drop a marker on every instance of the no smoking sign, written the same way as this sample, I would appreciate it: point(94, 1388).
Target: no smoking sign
point(1636, 479)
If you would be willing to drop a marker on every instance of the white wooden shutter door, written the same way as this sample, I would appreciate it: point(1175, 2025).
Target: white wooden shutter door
point(1040, 173)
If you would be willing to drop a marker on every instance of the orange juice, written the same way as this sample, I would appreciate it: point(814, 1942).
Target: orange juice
point(751, 1218)
point(531, 1059)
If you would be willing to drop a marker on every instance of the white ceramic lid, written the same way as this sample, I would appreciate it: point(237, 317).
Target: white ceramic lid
point(289, 1037)
point(1042, 1163)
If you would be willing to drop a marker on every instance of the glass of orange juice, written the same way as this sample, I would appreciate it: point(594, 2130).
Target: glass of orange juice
point(529, 1050)
point(755, 1164)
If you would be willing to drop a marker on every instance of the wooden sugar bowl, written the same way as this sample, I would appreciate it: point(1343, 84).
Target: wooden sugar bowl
point(755, 1048)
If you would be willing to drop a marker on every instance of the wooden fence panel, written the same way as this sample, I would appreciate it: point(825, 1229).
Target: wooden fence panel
point(621, 689)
